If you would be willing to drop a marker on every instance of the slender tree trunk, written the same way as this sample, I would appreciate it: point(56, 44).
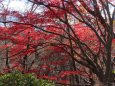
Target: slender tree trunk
point(7, 58)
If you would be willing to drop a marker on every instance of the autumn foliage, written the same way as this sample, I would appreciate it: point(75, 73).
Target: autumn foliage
point(67, 40)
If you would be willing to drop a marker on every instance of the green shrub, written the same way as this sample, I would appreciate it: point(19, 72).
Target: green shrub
point(19, 79)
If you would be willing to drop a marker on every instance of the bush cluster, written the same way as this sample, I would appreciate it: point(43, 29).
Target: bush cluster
point(19, 79)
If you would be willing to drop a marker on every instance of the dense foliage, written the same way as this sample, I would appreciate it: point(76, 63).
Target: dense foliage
point(19, 79)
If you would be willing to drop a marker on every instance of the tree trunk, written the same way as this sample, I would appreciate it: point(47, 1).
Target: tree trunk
point(99, 83)
point(104, 83)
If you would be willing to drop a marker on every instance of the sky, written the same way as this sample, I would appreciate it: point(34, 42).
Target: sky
point(18, 5)
point(22, 5)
